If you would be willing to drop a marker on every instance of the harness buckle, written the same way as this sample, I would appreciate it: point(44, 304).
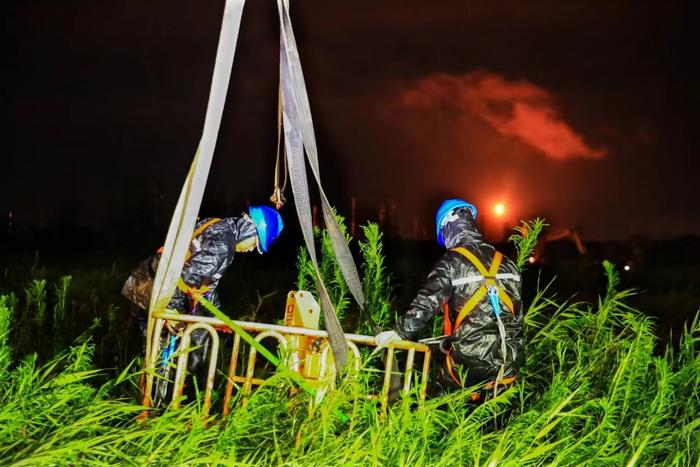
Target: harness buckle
point(446, 344)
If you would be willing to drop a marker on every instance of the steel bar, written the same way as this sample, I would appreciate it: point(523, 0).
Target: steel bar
point(260, 327)
point(409, 370)
point(151, 361)
point(327, 370)
point(425, 375)
point(253, 354)
point(231, 371)
point(182, 364)
point(387, 378)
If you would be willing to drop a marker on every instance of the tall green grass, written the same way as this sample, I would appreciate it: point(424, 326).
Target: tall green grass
point(375, 279)
point(593, 392)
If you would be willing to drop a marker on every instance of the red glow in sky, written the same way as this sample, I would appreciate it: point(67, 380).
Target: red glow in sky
point(514, 108)
point(572, 111)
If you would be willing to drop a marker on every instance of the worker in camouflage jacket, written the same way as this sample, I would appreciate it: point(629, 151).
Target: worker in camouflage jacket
point(214, 244)
point(477, 291)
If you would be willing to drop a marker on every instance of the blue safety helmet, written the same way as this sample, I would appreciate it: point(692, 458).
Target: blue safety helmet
point(268, 223)
point(447, 207)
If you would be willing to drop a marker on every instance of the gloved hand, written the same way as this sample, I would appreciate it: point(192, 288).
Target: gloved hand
point(383, 339)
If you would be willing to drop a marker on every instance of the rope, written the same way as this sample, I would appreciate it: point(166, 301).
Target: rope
point(278, 192)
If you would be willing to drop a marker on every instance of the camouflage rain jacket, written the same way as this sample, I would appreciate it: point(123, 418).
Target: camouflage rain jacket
point(211, 254)
point(476, 343)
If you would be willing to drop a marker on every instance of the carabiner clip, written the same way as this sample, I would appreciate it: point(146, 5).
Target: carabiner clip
point(493, 299)
point(446, 345)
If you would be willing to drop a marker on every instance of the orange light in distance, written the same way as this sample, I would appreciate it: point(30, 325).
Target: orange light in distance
point(499, 209)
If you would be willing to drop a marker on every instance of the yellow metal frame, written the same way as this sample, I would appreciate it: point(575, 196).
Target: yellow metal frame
point(282, 334)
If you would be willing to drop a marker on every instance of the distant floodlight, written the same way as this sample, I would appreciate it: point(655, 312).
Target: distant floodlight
point(499, 209)
point(531, 260)
point(627, 267)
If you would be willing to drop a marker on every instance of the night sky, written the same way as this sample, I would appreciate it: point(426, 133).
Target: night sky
point(583, 112)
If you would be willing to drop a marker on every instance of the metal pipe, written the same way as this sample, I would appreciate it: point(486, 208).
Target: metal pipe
point(261, 327)
point(231, 371)
point(182, 364)
point(151, 363)
point(388, 363)
point(212, 370)
point(253, 354)
point(327, 365)
point(324, 365)
point(327, 370)
point(356, 353)
point(424, 377)
point(409, 370)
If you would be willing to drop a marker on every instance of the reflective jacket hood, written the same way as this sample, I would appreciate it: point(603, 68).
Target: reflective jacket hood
point(462, 230)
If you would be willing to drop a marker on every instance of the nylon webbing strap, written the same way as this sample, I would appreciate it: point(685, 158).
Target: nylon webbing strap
point(489, 277)
point(340, 246)
point(474, 260)
point(199, 232)
point(184, 218)
point(299, 135)
point(474, 300)
point(196, 234)
point(297, 172)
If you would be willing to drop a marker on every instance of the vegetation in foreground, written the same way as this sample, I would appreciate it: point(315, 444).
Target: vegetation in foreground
point(593, 392)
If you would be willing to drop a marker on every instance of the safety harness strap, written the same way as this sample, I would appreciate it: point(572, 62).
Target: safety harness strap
point(192, 292)
point(181, 284)
point(479, 295)
point(446, 322)
point(505, 298)
point(478, 278)
point(489, 281)
point(200, 230)
point(489, 277)
point(470, 305)
point(488, 386)
point(451, 370)
point(476, 262)
point(188, 204)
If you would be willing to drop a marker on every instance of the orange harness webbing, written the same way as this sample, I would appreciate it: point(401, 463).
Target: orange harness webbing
point(489, 281)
